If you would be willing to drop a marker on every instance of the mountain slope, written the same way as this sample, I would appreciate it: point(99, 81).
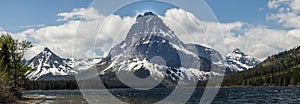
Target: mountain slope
point(280, 70)
point(83, 64)
point(48, 64)
point(239, 61)
point(152, 49)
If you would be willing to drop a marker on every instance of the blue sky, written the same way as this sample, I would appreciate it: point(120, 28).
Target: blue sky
point(16, 13)
point(251, 11)
point(19, 13)
point(156, 7)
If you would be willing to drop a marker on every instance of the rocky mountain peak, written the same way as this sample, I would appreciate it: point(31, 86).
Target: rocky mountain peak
point(148, 26)
point(47, 49)
point(146, 14)
point(237, 51)
point(239, 61)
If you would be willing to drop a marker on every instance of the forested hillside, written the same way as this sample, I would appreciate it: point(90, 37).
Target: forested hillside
point(282, 69)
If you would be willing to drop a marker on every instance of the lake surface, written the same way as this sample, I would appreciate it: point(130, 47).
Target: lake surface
point(250, 95)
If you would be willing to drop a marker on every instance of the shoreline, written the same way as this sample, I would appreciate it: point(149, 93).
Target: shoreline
point(236, 86)
point(32, 99)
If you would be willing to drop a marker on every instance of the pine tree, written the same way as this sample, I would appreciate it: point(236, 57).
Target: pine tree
point(11, 67)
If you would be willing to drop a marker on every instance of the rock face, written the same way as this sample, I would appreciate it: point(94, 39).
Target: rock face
point(152, 49)
point(239, 61)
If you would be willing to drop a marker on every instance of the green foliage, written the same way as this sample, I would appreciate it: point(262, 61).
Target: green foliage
point(12, 70)
point(282, 69)
point(5, 94)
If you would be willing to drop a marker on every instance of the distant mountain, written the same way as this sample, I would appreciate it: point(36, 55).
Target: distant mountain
point(47, 62)
point(239, 61)
point(152, 49)
point(49, 66)
point(83, 64)
point(282, 69)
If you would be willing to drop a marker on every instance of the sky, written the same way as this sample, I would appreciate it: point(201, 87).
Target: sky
point(156, 7)
point(19, 15)
point(258, 27)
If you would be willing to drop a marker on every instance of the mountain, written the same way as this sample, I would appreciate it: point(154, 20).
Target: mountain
point(282, 69)
point(152, 49)
point(49, 66)
point(239, 61)
point(47, 63)
point(83, 64)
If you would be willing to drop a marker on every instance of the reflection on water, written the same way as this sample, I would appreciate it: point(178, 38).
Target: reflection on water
point(226, 95)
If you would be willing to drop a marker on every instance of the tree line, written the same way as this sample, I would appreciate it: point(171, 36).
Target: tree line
point(50, 85)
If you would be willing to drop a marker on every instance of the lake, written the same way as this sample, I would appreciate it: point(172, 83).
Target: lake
point(226, 95)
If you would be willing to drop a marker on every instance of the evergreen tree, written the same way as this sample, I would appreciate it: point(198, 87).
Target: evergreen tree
point(12, 70)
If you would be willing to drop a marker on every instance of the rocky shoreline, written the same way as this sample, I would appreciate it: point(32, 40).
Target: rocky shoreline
point(35, 99)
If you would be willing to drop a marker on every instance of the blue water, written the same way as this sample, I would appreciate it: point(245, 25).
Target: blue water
point(249, 95)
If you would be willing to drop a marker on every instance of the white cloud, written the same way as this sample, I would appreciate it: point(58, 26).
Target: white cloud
point(80, 13)
point(60, 38)
point(288, 12)
point(295, 6)
point(277, 3)
point(257, 41)
point(19, 36)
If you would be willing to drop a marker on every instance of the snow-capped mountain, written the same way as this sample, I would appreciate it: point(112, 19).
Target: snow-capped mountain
point(49, 66)
point(152, 49)
point(48, 63)
point(239, 61)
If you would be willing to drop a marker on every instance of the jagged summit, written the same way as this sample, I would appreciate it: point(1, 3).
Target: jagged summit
point(238, 51)
point(148, 26)
point(47, 49)
point(146, 14)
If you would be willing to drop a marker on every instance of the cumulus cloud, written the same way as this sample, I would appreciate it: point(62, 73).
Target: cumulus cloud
point(79, 30)
point(288, 12)
point(84, 29)
point(79, 13)
point(19, 36)
point(257, 41)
